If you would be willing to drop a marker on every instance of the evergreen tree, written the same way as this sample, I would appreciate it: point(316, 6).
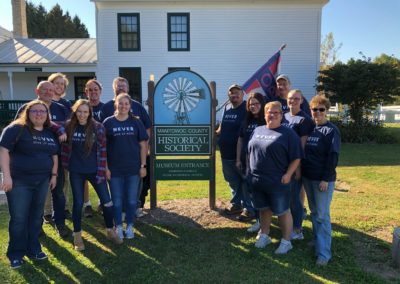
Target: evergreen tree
point(53, 24)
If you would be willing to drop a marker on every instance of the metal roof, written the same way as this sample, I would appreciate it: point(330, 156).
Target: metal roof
point(48, 51)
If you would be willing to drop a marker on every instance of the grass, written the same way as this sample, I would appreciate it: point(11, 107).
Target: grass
point(365, 209)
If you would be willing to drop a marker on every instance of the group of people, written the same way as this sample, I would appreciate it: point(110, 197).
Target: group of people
point(273, 149)
point(52, 142)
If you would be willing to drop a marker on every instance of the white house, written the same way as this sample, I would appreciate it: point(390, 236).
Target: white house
point(25, 61)
point(223, 40)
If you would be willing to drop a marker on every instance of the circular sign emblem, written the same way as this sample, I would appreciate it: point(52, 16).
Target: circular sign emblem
point(182, 98)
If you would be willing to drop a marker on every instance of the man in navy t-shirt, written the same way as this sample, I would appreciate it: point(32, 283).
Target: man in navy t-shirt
point(228, 131)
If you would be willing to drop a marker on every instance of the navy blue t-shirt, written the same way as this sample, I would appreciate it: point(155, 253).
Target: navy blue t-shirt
point(64, 102)
point(31, 156)
point(123, 149)
point(58, 112)
point(245, 133)
point(321, 143)
point(271, 151)
point(232, 119)
point(97, 111)
point(136, 108)
point(80, 161)
point(301, 123)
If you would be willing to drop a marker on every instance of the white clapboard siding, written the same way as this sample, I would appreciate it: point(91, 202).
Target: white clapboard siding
point(228, 41)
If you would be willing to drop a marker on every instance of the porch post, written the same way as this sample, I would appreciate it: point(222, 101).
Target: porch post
point(10, 82)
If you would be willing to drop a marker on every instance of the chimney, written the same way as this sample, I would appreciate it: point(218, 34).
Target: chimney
point(19, 18)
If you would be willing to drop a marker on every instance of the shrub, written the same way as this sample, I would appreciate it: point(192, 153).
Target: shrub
point(366, 131)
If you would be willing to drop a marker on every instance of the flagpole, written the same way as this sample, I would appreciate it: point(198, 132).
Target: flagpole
point(283, 46)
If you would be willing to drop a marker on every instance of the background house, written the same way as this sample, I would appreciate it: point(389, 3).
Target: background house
point(223, 40)
point(25, 61)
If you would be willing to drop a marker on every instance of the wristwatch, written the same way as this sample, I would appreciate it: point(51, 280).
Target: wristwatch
point(143, 166)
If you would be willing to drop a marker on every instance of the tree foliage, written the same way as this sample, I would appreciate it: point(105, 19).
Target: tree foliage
point(360, 84)
point(329, 51)
point(53, 24)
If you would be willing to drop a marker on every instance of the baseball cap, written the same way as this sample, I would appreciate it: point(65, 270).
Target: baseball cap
point(284, 77)
point(234, 86)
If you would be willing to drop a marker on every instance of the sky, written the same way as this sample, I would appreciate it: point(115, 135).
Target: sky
point(369, 26)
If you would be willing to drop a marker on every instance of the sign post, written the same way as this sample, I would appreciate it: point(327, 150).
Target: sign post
point(182, 106)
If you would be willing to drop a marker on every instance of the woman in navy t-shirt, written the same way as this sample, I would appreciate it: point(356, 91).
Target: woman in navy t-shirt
point(254, 118)
point(126, 160)
point(274, 155)
point(302, 124)
point(319, 175)
point(28, 155)
point(84, 156)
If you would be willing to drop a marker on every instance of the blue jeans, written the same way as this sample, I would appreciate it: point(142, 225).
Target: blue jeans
point(296, 207)
point(25, 204)
point(58, 197)
point(77, 181)
point(124, 191)
point(236, 183)
point(319, 203)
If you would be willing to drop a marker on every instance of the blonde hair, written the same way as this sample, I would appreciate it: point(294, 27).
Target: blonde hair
point(272, 105)
point(54, 76)
point(119, 98)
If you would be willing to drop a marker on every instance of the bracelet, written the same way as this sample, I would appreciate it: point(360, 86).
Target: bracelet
point(143, 166)
point(54, 175)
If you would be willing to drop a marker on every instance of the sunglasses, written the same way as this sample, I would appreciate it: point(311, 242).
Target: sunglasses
point(321, 109)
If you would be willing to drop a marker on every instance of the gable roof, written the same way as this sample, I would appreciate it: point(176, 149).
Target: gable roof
point(48, 51)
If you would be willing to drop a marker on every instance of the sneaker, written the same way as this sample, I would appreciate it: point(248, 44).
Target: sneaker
point(140, 213)
point(297, 235)
point(113, 236)
point(78, 241)
point(262, 241)
point(321, 262)
point(120, 232)
point(233, 210)
point(88, 211)
point(16, 263)
point(129, 233)
point(284, 247)
point(62, 231)
point(47, 219)
point(258, 234)
point(254, 228)
point(39, 256)
point(246, 216)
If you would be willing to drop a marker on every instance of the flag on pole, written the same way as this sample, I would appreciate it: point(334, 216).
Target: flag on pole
point(263, 81)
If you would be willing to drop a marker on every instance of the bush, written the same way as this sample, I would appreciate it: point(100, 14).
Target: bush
point(366, 131)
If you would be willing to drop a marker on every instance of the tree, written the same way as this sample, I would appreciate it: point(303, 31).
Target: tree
point(329, 51)
point(361, 84)
point(53, 24)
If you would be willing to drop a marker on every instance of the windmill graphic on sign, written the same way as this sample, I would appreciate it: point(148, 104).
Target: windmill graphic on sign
point(182, 97)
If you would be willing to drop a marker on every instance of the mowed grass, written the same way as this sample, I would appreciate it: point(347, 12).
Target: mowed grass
point(365, 209)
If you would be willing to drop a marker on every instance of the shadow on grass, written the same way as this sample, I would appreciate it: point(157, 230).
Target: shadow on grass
point(165, 252)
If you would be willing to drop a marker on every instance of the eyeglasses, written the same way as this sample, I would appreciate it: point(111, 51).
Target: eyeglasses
point(321, 109)
point(274, 112)
point(38, 111)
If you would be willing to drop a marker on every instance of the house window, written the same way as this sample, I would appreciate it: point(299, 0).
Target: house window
point(170, 69)
point(80, 83)
point(134, 77)
point(41, 78)
point(178, 32)
point(129, 32)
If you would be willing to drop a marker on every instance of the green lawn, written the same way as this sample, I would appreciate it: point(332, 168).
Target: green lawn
point(364, 211)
